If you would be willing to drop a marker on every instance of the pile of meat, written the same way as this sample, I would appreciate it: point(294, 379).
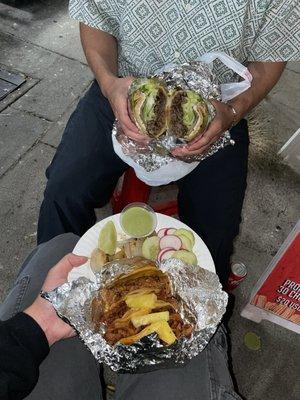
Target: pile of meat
point(109, 307)
point(159, 120)
point(176, 114)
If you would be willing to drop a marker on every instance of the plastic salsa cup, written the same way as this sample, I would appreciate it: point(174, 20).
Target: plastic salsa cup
point(138, 220)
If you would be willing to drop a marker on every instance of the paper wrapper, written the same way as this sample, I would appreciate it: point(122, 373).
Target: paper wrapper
point(203, 304)
point(196, 76)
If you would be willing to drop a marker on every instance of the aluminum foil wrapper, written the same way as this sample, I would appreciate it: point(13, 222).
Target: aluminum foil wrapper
point(197, 76)
point(203, 304)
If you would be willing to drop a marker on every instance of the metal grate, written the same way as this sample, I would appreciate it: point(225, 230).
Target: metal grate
point(9, 82)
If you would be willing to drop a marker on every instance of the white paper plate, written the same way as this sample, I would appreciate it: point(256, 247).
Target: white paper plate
point(89, 241)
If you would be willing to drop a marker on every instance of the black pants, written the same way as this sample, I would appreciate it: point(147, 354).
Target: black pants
point(85, 170)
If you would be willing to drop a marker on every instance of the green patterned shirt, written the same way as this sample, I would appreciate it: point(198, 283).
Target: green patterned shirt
point(152, 33)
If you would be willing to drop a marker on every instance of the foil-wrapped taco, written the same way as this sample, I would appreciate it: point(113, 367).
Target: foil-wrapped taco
point(117, 317)
point(172, 107)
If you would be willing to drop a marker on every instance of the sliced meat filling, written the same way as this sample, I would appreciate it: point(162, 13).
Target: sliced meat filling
point(109, 308)
point(115, 332)
point(120, 289)
point(155, 126)
point(176, 115)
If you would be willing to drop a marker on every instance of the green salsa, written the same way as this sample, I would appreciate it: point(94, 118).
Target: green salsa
point(137, 222)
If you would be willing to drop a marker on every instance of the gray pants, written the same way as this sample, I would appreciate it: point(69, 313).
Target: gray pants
point(70, 371)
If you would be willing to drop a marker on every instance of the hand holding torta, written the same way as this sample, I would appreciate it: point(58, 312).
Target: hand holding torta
point(155, 110)
point(148, 105)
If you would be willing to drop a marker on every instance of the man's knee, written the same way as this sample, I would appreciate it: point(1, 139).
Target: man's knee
point(65, 240)
point(47, 254)
point(61, 189)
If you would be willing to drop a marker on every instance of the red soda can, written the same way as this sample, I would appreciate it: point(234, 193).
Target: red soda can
point(237, 274)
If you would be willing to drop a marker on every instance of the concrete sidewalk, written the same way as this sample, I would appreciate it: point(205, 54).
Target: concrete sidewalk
point(42, 43)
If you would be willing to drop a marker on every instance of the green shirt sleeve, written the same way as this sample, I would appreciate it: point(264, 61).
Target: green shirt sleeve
point(97, 14)
point(278, 37)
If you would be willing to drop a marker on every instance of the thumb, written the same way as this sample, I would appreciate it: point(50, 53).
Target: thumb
point(76, 260)
point(69, 262)
point(129, 80)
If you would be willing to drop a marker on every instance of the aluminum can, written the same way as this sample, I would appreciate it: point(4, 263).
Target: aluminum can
point(237, 274)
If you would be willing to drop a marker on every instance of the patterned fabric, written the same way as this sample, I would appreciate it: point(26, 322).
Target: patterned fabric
point(152, 33)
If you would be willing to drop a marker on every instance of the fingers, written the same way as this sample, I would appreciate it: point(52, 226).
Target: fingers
point(201, 143)
point(212, 132)
point(74, 260)
point(180, 151)
point(134, 135)
point(198, 147)
point(137, 137)
point(129, 128)
point(120, 105)
point(124, 118)
point(71, 334)
point(59, 273)
point(69, 262)
point(129, 80)
point(185, 152)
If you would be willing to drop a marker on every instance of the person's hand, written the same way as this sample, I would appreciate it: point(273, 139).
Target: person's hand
point(222, 121)
point(42, 310)
point(117, 94)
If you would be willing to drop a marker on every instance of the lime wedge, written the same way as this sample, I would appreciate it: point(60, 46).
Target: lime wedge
point(108, 239)
point(252, 341)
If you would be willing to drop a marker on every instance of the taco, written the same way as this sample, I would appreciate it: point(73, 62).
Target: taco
point(139, 303)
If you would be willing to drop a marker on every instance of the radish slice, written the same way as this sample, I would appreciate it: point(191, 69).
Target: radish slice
point(170, 241)
point(162, 232)
point(170, 231)
point(167, 254)
point(161, 253)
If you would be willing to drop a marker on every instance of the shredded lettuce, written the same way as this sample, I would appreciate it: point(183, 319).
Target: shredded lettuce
point(150, 89)
point(148, 108)
point(149, 86)
point(188, 113)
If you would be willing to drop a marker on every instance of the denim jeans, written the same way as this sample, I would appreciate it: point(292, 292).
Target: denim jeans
point(70, 372)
